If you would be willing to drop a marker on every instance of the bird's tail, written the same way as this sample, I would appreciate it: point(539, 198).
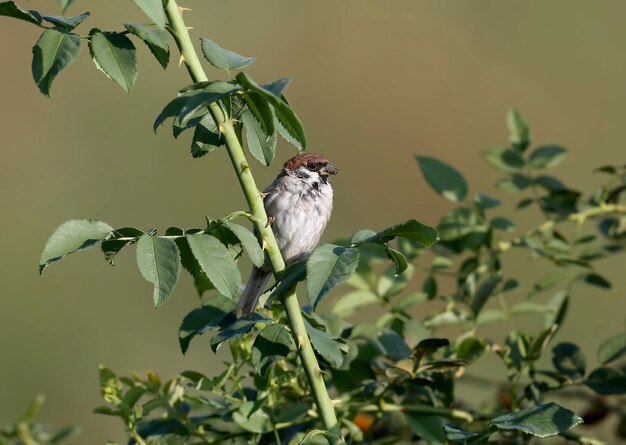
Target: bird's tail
point(254, 288)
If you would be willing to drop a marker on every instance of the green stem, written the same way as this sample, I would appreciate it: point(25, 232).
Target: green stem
point(311, 367)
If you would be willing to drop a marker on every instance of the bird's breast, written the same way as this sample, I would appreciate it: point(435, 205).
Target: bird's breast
point(299, 219)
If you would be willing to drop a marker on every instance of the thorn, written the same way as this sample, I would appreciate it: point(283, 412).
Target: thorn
point(270, 221)
point(222, 129)
point(183, 9)
point(189, 28)
point(263, 194)
point(265, 245)
point(300, 341)
point(181, 60)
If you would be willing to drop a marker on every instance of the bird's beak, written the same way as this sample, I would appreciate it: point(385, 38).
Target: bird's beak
point(328, 170)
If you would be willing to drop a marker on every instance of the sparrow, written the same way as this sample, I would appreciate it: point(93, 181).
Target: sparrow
point(298, 204)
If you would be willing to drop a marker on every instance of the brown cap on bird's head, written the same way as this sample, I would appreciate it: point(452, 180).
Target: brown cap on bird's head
point(313, 162)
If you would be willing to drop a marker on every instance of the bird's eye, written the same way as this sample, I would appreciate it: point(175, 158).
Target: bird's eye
point(311, 166)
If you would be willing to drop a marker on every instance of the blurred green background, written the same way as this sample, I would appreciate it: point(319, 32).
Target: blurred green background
point(374, 82)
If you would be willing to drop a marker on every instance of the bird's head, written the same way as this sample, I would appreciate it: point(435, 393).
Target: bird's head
point(310, 167)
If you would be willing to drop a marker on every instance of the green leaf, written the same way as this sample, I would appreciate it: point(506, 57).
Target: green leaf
point(557, 305)
point(547, 282)
point(154, 10)
point(208, 316)
point(569, 360)
point(249, 242)
point(547, 156)
point(485, 202)
point(485, 290)
point(408, 301)
point(64, 4)
point(504, 159)
point(10, 9)
point(458, 223)
point(262, 111)
point(238, 328)
point(393, 345)
point(528, 307)
point(502, 223)
point(612, 349)
point(328, 266)
point(66, 23)
point(510, 285)
point(189, 262)
point(548, 419)
point(607, 381)
point(513, 183)
point(289, 126)
point(53, 52)
point(399, 260)
point(349, 303)
point(271, 92)
point(463, 437)
point(411, 229)
point(429, 287)
point(222, 58)
point(293, 274)
point(427, 347)
point(114, 54)
point(156, 40)
point(111, 246)
point(390, 284)
point(277, 87)
point(72, 236)
point(444, 179)
point(550, 183)
point(597, 280)
point(159, 263)
point(205, 139)
point(471, 349)
point(261, 146)
point(217, 262)
point(273, 343)
point(251, 417)
point(519, 133)
point(328, 347)
point(203, 383)
point(428, 427)
point(487, 316)
point(190, 102)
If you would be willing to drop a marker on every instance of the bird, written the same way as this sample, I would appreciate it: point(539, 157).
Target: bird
point(298, 204)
